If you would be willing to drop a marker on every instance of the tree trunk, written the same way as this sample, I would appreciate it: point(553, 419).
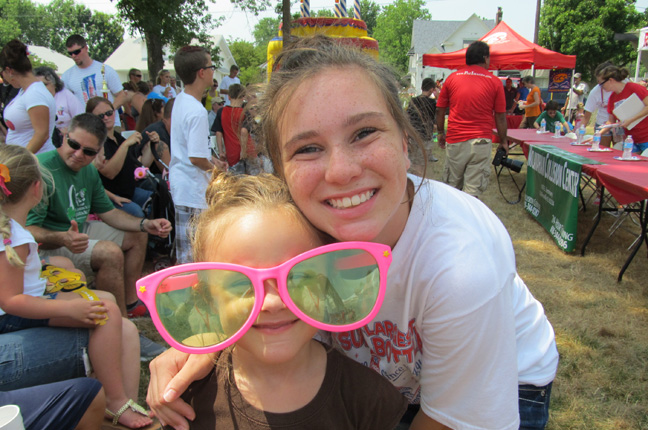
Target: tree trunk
point(285, 26)
point(155, 55)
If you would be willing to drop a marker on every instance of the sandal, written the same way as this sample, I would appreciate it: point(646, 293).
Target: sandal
point(129, 404)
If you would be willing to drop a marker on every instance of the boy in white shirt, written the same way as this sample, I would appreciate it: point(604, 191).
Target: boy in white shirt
point(191, 158)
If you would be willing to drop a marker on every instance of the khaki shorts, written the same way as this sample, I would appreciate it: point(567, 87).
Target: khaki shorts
point(96, 230)
point(467, 165)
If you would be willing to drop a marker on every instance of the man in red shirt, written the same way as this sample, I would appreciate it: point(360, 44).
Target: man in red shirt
point(475, 96)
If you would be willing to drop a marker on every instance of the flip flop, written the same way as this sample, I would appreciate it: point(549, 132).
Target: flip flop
point(135, 408)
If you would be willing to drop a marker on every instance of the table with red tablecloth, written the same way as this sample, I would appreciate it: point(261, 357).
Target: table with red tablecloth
point(626, 181)
point(512, 122)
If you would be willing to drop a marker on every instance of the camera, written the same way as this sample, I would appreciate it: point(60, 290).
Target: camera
point(502, 159)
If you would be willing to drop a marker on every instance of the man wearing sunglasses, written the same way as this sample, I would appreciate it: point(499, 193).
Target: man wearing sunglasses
point(85, 79)
point(111, 251)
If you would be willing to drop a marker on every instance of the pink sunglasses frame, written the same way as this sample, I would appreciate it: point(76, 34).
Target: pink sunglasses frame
point(381, 253)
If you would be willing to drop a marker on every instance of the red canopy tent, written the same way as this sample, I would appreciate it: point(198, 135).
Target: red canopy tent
point(508, 51)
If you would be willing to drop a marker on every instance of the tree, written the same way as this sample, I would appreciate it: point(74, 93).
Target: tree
point(50, 25)
point(394, 30)
point(9, 27)
point(265, 30)
point(176, 23)
point(586, 28)
point(248, 58)
point(369, 12)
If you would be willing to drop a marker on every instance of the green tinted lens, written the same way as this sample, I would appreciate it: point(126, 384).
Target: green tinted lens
point(205, 307)
point(336, 288)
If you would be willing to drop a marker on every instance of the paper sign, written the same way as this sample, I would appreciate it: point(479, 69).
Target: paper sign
point(629, 108)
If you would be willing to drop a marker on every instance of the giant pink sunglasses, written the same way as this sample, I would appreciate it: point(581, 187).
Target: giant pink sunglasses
point(206, 307)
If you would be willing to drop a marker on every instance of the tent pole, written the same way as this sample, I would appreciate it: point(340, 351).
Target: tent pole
point(636, 79)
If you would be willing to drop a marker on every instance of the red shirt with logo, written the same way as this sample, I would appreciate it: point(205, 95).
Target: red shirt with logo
point(473, 95)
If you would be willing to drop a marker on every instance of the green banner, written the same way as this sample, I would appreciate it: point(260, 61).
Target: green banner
point(553, 177)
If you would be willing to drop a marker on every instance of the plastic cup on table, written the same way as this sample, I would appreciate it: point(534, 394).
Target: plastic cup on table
point(10, 418)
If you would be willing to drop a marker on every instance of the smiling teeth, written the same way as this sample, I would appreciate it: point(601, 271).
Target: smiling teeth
point(348, 202)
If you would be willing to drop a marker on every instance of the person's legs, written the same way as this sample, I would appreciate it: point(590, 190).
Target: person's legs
point(59, 405)
point(131, 208)
point(108, 263)
point(183, 218)
point(457, 157)
point(477, 173)
point(134, 249)
point(141, 195)
point(534, 406)
point(105, 351)
point(94, 415)
point(130, 357)
point(42, 355)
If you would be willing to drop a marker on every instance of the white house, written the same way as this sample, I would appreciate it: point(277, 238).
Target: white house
point(132, 54)
point(435, 37)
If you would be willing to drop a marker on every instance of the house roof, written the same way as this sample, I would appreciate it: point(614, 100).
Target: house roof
point(427, 35)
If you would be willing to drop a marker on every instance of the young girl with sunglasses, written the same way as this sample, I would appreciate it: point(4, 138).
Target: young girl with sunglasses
point(113, 346)
point(260, 288)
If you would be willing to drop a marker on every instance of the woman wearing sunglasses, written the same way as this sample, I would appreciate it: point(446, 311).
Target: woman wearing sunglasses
point(261, 288)
point(118, 160)
point(31, 115)
point(458, 333)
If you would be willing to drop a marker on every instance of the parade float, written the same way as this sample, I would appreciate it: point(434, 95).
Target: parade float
point(347, 29)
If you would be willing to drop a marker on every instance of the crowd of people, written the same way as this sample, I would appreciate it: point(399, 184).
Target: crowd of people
point(459, 341)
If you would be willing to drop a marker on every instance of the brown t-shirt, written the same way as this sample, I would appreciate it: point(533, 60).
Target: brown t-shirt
point(352, 396)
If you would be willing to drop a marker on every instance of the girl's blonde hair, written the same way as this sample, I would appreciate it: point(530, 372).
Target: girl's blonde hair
point(306, 58)
point(227, 192)
point(24, 171)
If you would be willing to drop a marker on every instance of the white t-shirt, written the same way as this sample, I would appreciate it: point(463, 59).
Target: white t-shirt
point(225, 84)
point(88, 83)
point(189, 138)
point(160, 90)
point(19, 125)
point(598, 99)
point(67, 107)
point(33, 284)
point(575, 98)
point(456, 316)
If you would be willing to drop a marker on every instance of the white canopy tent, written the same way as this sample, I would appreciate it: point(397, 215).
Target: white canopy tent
point(61, 61)
point(641, 47)
point(132, 54)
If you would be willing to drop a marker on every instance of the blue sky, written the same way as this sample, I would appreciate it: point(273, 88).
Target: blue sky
point(518, 14)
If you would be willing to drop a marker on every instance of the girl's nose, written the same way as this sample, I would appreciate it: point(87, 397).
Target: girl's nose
point(272, 301)
point(343, 166)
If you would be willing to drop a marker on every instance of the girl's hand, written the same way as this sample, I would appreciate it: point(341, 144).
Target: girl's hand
point(133, 139)
point(86, 311)
point(153, 136)
point(120, 200)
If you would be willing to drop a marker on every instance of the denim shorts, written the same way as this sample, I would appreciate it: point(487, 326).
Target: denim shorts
point(42, 355)
point(534, 406)
point(11, 323)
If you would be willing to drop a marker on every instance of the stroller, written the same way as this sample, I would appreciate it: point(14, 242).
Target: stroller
point(160, 205)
